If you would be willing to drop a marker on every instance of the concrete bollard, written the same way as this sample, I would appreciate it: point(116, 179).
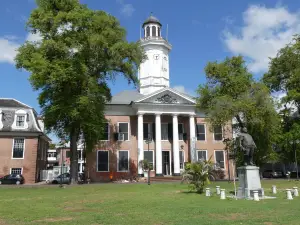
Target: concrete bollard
point(207, 192)
point(295, 191)
point(274, 190)
point(223, 195)
point(289, 194)
point(218, 190)
point(255, 196)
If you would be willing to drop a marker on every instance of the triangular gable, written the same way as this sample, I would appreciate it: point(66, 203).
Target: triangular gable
point(166, 96)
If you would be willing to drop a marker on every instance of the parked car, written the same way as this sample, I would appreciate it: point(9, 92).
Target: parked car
point(272, 174)
point(12, 179)
point(62, 179)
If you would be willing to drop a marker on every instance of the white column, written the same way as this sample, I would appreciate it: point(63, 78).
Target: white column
point(158, 149)
point(140, 143)
point(192, 137)
point(176, 146)
point(80, 168)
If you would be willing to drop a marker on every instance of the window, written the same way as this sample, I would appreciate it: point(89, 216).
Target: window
point(200, 132)
point(158, 31)
point(180, 131)
point(219, 158)
point(68, 154)
point(18, 148)
point(123, 161)
point(123, 129)
point(181, 159)
point(102, 161)
point(218, 136)
point(148, 31)
point(201, 154)
point(149, 156)
point(105, 135)
point(148, 130)
point(16, 170)
point(20, 121)
point(154, 31)
point(164, 132)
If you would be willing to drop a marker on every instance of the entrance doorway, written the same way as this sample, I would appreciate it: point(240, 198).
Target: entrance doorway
point(166, 163)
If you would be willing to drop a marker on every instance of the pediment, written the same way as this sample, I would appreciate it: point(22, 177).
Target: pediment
point(167, 96)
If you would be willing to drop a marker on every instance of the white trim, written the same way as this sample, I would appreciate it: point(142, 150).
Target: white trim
point(162, 132)
point(200, 150)
point(223, 157)
point(170, 160)
point(126, 171)
point(1, 124)
point(153, 154)
point(17, 168)
point(97, 160)
point(34, 121)
point(108, 136)
point(128, 129)
point(183, 159)
point(13, 144)
point(20, 112)
point(205, 133)
point(214, 135)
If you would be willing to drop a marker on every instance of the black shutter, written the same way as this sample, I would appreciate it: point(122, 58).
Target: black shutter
point(145, 128)
point(116, 136)
point(170, 131)
point(153, 131)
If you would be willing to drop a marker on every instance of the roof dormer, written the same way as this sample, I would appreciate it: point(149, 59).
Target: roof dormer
point(20, 120)
point(1, 118)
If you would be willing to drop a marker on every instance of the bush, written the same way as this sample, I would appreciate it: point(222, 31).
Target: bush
point(218, 174)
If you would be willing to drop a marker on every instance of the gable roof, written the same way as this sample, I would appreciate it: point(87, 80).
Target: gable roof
point(125, 97)
point(12, 103)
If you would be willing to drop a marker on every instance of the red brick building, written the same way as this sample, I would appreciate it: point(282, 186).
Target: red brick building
point(23, 143)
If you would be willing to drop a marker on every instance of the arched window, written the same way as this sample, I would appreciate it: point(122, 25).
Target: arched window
point(148, 31)
point(154, 31)
point(158, 31)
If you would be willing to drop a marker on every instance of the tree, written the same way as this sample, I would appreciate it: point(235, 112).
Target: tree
point(52, 146)
point(81, 50)
point(232, 93)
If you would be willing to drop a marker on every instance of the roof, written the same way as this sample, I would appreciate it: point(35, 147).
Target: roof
point(151, 19)
point(125, 97)
point(12, 103)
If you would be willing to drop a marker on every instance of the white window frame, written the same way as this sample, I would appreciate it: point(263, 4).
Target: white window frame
point(223, 158)
point(202, 150)
point(13, 144)
point(1, 124)
point(153, 158)
point(214, 135)
point(182, 131)
point(183, 159)
point(128, 130)
point(128, 161)
point(167, 131)
point(205, 136)
point(97, 160)
point(108, 135)
point(20, 112)
point(17, 168)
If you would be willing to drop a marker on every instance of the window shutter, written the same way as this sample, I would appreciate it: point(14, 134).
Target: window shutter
point(153, 131)
point(170, 131)
point(145, 128)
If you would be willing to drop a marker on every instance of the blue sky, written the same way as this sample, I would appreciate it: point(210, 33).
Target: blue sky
point(199, 31)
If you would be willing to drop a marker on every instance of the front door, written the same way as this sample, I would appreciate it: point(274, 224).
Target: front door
point(166, 162)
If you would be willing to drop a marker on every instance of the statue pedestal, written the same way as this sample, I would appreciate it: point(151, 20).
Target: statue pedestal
point(249, 180)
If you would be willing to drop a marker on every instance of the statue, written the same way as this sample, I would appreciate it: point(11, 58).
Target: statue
point(247, 145)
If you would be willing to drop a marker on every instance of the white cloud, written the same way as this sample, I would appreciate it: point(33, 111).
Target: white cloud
point(183, 90)
point(264, 32)
point(33, 37)
point(126, 9)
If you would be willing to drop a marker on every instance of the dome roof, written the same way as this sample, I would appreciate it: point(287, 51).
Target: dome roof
point(151, 19)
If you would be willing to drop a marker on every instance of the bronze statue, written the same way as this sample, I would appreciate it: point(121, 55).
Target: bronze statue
point(247, 145)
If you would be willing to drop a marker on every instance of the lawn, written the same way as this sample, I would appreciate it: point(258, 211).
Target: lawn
point(168, 203)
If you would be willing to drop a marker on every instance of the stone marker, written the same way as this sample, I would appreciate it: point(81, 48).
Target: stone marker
point(207, 192)
point(255, 196)
point(289, 194)
point(218, 190)
point(295, 191)
point(223, 196)
point(274, 190)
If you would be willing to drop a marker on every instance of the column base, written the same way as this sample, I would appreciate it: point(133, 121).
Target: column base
point(176, 174)
point(141, 175)
point(159, 175)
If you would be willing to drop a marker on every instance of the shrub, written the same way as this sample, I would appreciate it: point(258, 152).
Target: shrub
point(218, 174)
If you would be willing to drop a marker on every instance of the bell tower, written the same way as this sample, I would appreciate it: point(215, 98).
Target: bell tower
point(154, 71)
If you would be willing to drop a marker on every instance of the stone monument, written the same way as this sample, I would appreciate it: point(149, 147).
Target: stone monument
point(249, 173)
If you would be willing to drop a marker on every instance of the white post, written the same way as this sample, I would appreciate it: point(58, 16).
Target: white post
point(218, 190)
point(223, 196)
point(158, 152)
point(255, 195)
point(207, 192)
point(176, 146)
point(140, 143)
point(274, 190)
point(192, 136)
point(295, 191)
point(289, 194)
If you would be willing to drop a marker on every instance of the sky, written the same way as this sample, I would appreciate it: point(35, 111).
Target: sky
point(199, 31)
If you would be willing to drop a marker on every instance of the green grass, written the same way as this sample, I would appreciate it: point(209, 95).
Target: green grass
point(169, 203)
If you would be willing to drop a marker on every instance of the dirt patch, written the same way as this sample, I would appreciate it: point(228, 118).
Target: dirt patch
point(2, 222)
point(55, 219)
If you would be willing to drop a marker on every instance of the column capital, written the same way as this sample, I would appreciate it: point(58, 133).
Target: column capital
point(175, 114)
point(158, 114)
point(192, 115)
point(140, 113)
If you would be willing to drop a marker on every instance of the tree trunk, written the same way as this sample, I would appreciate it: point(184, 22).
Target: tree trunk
point(74, 157)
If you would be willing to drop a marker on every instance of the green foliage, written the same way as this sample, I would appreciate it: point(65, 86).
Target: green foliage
point(80, 51)
point(231, 92)
point(146, 165)
point(197, 175)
